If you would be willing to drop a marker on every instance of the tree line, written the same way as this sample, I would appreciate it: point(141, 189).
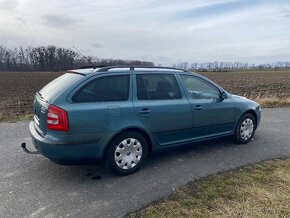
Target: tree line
point(230, 66)
point(52, 58)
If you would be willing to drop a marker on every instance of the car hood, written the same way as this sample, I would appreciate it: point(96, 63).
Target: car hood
point(237, 96)
point(243, 99)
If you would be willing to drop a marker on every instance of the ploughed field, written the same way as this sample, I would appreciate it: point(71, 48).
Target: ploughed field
point(254, 84)
point(17, 90)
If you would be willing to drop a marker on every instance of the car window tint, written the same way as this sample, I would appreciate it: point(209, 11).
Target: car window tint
point(157, 87)
point(199, 88)
point(107, 88)
point(59, 85)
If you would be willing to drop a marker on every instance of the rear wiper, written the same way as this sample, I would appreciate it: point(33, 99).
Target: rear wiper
point(41, 97)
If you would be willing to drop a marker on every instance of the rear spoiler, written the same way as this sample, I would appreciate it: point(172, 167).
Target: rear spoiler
point(75, 72)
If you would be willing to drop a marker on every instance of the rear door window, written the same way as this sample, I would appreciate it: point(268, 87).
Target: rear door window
point(106, 88)
point(157, 87)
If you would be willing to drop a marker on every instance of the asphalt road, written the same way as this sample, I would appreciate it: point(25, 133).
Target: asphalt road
point(32, 186)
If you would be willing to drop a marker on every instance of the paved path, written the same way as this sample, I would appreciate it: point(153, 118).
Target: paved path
point(32, 186)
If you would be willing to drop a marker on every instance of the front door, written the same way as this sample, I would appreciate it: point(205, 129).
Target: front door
point(212, 115)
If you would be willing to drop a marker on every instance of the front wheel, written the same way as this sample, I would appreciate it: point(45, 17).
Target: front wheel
point(127, 153)
point(245, 129)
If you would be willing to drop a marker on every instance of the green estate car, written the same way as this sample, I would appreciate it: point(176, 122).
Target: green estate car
point(120, 115)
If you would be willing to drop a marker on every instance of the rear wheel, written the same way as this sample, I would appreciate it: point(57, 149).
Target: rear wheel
point(127, 153)
point(245, 129)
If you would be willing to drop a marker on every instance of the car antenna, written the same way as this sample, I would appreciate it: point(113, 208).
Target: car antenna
point(84, 57)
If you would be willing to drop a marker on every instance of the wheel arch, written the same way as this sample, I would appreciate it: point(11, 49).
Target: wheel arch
point(143, 132)
point(252, 112)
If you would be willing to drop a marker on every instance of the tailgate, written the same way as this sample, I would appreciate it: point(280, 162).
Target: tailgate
point(47, 94)
point(40, 107)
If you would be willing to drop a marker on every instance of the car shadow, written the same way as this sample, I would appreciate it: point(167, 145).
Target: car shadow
point(97, 172)
point(190, 150)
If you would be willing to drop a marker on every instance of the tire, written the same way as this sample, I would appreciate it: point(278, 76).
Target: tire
point(245, 129)
point(126, 153)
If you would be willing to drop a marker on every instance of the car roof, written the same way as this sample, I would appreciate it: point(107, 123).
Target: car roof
point(91, 70)
point(103, 69)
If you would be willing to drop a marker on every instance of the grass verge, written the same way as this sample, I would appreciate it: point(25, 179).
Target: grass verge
point(4, 118)
point(273, 102)
point(261, 190)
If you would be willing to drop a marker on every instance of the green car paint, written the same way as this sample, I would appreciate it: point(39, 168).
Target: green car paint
point(165, 123)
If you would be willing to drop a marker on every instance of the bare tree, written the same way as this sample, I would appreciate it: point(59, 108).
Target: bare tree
point(230, 66)
point(51, 58)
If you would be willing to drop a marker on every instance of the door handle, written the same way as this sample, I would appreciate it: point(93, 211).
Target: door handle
point(198, 107)
point(144, 111)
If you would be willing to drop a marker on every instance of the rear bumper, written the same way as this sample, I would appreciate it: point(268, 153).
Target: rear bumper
point(66, 153)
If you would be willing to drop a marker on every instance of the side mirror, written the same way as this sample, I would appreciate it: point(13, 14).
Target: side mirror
point(223, 95)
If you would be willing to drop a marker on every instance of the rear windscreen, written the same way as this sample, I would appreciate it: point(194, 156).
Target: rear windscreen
point(59, 84)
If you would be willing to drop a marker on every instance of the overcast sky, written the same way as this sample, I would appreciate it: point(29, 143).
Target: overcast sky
point(162, 31)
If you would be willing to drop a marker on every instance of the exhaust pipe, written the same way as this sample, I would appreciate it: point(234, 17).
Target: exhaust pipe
point(23, 146)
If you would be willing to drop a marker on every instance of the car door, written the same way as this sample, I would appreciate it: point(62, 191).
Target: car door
point(162, 107)
point(212, 114)
point(101, 105)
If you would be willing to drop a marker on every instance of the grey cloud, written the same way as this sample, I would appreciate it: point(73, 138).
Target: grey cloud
point(97, 45)
point(9, 5)
point(21, 21)
point(131, 28)
point(284, 6)
point(285, 15)
point(58, 21)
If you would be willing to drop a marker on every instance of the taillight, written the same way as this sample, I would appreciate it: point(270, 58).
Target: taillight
point(57, 119)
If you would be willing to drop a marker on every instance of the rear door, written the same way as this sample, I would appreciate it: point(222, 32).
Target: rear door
point(101, 105)
point(162, 106)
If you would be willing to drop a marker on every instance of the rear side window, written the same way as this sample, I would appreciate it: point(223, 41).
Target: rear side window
point(106, 88)
point(157, 87)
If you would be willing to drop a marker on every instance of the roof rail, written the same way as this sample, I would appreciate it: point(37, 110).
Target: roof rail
point(97, 66)
point(107, 68)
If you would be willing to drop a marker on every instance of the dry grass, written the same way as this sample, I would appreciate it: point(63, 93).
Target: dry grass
point(261, 190)
point(272, 101)
point(4, 118)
